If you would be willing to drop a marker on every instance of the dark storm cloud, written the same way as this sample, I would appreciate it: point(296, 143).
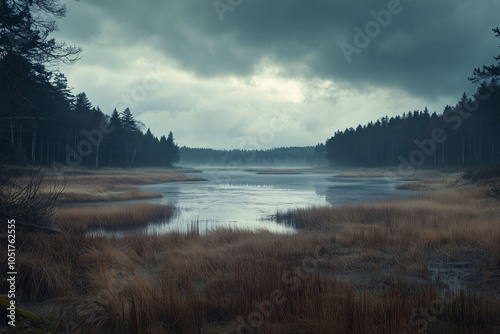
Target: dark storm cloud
point(428, 48)
point(217, 83)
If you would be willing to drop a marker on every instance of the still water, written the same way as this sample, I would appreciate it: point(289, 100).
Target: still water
point(239, 199)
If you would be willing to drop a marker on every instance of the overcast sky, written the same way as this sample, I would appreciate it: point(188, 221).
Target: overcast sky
point(268, 73)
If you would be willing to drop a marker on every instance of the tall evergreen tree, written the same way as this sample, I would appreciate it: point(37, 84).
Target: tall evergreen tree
point(25, 27)
point(171, 150)
point(42, 121)
point(488, 72)
point(131, 136)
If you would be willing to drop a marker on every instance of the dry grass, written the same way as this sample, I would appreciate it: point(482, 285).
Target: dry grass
point(450, 229)
point(272, 171)
point(106, 185)
point(80, 219)
point(457, 217)
point(227, 281)
point(443, 175)
point(277, 172)
point(417, 186)
point(89, 193)
point(294, 171)
point(352, 269)
point(323, 171)
point(127, 177)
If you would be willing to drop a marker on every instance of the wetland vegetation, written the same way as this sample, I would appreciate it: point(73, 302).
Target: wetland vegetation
point(359, 268)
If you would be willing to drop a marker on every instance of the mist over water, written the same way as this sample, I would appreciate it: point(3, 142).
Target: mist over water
point(239, 199)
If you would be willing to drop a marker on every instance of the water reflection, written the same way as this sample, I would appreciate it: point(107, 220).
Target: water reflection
point(344, 190)
point(239, 199)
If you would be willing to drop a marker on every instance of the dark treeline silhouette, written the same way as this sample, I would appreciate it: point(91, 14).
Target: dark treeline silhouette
point(41, 121)
point(465, 134)
point(69, 130)
point(283, 156)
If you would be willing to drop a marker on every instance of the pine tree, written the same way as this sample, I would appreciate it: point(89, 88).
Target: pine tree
point(25, 28)
point(488, 72)
point(172, 150)
point(149, 146)
point(129, 123)
point(130, 132)
point(116, 140)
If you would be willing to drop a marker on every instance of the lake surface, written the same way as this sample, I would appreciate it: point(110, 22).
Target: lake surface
point(239, 199)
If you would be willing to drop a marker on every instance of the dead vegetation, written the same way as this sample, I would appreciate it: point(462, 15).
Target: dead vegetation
point(81, 219)
point(107, 185)
point(455, 216)
point(414, 186)
point(29, 195)
point(279, 172)
point(230, 282)
point(367, 268)
point(105, 193)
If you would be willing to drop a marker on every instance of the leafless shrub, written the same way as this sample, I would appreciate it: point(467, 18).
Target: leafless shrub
point(495, 191)
point(29, 195)
point(482, 173)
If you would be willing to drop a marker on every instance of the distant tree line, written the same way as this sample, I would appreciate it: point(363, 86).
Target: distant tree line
point(465, 134)
point(296, 156)
point(41, 121)
point(69, 130)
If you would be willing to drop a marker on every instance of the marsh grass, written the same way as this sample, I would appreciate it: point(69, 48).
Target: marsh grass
point(399, 235)
point(454, 216)
point(279, 172)
point(424, 175)
point(110, 193)
point(370, 274)
point(274, 171)
point(80, 219)
point(416, 186)
point(225, 281)
point(106, 185)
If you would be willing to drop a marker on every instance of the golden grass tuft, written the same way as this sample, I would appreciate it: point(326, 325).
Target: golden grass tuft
point(80, 219)
point(113, 184)
point(39, 281)
point(85, 194)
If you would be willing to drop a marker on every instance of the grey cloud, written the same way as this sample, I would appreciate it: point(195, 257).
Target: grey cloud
point(425, 53)
point(426, 49)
